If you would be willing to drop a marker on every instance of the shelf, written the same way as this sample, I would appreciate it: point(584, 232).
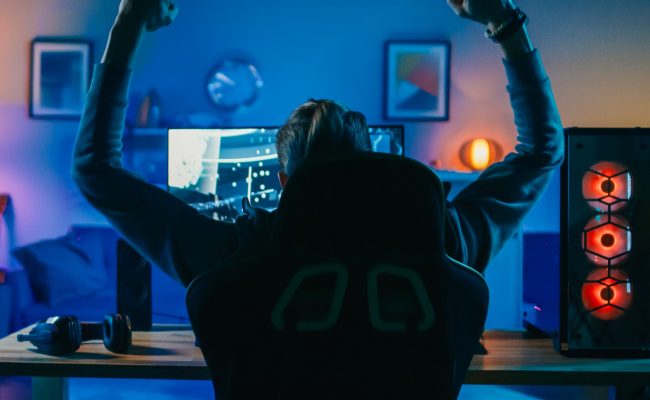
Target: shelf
point(456, 176)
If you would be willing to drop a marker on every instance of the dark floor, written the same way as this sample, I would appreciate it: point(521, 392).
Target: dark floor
point(19, 388)
point(15, 388)
point(481, 392)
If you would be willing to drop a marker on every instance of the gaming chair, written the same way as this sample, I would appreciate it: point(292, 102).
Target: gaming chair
point(355, 298)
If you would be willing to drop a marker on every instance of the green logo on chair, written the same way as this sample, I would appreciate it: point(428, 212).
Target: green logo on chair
point(336, 303)
point(335, 307)
point(417, 286)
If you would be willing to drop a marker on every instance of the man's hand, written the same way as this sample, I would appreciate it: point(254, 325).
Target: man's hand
point(494, 13)
point(487, 12)
point(133, 18)
point(150, 14)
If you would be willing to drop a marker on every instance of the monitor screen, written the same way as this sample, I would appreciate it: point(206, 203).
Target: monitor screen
point(214, 169)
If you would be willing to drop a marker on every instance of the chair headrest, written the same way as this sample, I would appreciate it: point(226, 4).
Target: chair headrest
point(361, 204)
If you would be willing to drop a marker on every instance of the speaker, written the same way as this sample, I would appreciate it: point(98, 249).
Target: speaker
point(605, 242)
point(133, 286)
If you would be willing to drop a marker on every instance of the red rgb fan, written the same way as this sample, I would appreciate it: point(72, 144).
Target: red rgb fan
point(607, 296)
point(607, 186)
point(607, 240)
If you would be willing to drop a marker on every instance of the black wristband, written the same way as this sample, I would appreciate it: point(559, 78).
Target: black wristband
point(508, 28)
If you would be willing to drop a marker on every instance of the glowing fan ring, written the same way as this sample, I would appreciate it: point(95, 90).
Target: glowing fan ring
point(607, 295)
point(607, 242)
point(607, 186)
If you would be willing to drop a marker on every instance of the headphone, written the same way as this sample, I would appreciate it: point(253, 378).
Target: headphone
point(63, 335)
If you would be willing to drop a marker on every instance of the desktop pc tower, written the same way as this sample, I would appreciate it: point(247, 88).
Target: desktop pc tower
point(605, 243)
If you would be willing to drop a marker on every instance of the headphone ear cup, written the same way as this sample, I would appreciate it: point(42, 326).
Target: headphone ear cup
point(73, 333)
point(117, 333)
point(56, 335)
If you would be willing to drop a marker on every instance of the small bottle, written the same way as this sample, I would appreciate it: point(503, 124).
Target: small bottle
point(154, 110)
point(149, 111)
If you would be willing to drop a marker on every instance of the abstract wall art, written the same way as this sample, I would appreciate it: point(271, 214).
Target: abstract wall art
point(417, 81)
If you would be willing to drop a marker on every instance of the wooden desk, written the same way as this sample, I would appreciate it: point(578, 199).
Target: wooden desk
point(169, 353)
point(514, 360)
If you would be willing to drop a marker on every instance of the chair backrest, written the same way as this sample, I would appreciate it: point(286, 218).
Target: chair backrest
point(355, 297)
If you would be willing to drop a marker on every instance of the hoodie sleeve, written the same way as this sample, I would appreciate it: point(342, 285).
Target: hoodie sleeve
point(162, 228)
point(488, 212)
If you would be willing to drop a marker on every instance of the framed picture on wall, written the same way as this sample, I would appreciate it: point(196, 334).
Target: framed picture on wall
point(417, 81)
point(60, 76)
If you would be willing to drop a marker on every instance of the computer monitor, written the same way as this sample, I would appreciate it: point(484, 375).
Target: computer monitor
point(214, 169)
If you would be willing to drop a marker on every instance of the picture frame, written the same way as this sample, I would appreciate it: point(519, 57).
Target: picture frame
point(417, 79)
point(59, 77)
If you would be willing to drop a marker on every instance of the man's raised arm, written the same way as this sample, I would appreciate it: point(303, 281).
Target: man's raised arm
point(490, 210)
point(161, 227)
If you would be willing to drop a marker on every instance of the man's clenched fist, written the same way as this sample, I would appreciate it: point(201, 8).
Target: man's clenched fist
point(486, 12)
point(152, 14)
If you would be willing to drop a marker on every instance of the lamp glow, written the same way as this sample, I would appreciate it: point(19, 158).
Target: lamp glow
point(477, 154)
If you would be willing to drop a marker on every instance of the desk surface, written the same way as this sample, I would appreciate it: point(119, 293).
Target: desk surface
point(169, 353)
point(514, 360)
point(166, 353)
